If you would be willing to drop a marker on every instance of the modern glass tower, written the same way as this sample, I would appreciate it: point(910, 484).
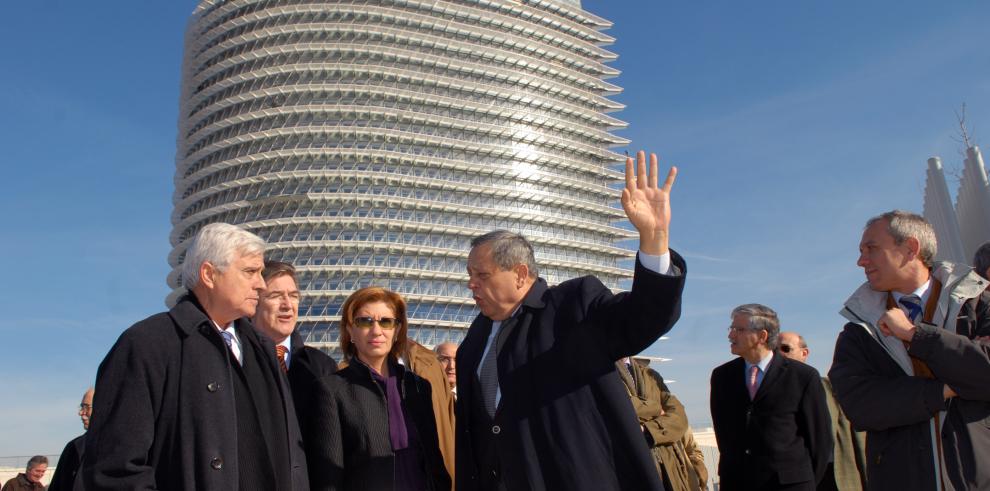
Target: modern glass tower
point(368, 141)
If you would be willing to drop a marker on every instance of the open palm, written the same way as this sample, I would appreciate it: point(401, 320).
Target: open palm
point(647, 205)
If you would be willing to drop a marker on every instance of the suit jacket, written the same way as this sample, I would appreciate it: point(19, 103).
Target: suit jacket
point(306, 365)
point(782, 437)
point(167, 414)
point(564, 420)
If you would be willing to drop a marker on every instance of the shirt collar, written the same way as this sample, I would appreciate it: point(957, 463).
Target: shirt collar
point(922, 292)
point(763, 364)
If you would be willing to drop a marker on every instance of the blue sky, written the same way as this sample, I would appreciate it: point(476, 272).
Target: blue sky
point(792, 123)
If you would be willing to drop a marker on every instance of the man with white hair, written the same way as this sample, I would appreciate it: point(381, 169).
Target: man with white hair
point(194, 398)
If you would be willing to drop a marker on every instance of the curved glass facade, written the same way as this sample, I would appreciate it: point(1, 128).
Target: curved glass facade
point(369, 141)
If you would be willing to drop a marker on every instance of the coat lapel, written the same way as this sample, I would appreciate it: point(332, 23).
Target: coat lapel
point(778, 365)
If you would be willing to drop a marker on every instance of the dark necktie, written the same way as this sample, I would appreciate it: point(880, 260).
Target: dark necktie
point(488, 375)
point(280, 353)
point(913, 305)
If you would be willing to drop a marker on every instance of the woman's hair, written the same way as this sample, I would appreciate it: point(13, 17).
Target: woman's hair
point(363, 297)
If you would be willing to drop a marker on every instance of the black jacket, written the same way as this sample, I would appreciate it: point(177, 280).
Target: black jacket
point(896, 409)
point(782, 437)
point(349, 447)
point(564, 420)
point(306, 365)
point(68, 465)
point(167, 414)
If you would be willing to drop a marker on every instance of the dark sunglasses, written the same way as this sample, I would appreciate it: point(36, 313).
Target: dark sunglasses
point(787, 349)
point(368, 322)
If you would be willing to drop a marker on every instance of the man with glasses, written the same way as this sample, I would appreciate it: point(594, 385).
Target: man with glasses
point(847, 467)
point(276, 318)
point(769, 413)
point(68, 463)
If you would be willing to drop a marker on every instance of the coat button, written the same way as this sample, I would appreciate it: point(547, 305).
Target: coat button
point(217, 463)
point(212, 386)
point(496, 430)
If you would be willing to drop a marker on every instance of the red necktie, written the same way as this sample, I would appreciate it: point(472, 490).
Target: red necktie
point(280, 351)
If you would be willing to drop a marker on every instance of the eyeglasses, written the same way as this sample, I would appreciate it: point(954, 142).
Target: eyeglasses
point(446, 359)
point(787, 349)
point(85, 407)
point(368, 322)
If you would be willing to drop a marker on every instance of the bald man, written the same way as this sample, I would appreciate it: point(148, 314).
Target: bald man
point(447, 354)
point(847, 470)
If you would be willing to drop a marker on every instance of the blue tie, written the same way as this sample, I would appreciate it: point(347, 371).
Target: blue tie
point(229, 339)
point(913, 305)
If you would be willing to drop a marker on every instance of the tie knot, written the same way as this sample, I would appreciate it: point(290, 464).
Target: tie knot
point(913, 305)
point(281, 350)
point(227, 338)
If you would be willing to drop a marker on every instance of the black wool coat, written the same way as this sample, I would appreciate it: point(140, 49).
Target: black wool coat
point(564, 419)
point(306, 365)
point(349, 445)
point(167, 414)
point(782, 437)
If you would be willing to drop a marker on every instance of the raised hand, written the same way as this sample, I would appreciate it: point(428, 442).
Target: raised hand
point(646, 205)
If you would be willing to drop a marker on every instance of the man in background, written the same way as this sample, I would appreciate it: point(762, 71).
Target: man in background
point(768, 411)
point(68, 463)
point(447, 354)
point(981, 260)
point(847, 467)
point(30, 479)
point(276, 318)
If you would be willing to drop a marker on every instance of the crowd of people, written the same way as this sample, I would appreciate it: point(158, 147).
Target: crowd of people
point(544, 392)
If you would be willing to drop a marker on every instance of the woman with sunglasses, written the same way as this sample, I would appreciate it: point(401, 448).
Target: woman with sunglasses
point(373, 424)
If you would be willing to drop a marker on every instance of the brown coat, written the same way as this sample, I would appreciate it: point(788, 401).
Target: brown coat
point(697, 460)
point(424, 362)
point(850, 447)
point(663, 420)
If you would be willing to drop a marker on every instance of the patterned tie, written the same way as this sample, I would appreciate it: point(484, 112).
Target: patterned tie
point(489, 370)
point(229, 339)
point(913, 305)
point(280, 352)
point(751, 381)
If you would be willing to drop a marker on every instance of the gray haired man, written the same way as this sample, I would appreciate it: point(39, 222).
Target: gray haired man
point(908, 368)
point(194, 398)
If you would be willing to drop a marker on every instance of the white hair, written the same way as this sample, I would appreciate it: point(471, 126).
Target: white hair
point(218, 243)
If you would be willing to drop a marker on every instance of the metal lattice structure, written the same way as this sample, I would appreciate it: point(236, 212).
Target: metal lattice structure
point(369, 141)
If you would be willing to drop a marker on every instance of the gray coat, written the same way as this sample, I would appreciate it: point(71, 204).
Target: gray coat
point(874, 384)
point(167, 411)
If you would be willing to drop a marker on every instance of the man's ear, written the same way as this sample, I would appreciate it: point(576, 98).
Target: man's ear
point(522, 273)
point(207, 274)
point(914, 246)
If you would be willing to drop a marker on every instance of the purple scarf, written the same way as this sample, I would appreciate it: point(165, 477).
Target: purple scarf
point(393, 401)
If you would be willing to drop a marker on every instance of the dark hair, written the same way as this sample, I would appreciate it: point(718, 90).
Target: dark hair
point(274, 269)
point(981, 260)
point(365, 296)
